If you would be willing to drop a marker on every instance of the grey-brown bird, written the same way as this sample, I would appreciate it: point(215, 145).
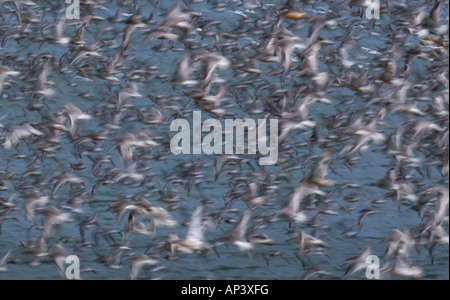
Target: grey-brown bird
point(53, 216)
point(4, 260)
point(4, 73)
point(35, 199)
point(18, 133)
point(357, 263)
point(138, 262)
point(127, 143)
point(237, 236)
point(292, 210)
point(195, 233)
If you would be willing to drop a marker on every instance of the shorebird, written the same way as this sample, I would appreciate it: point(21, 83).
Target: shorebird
point(293, 11)
point(365, 134)
point(66, 119)
point(59, 258)
point(176, 18)
point(128, 32)
point(53, 216)
point(65, 178)
point(5, 214)
point(122, 208)
point(398, 246)
point(210, 103)
point(396, 241)
point(160, 217)
point(279, 48)
point(402, 266)
point(420, 127)
point(42, 84)
point(187, 64)
point(404, 269)
point(361, 4)
point(128, 176)
point(18, 133)
point(98, 161)
point(34, 199)
point(437, 236)
point(307, 245)
point(314, 271)
point(212, 63)
point(131, 91)
point(441, 204)
point(83, 54)
point(363, 214)
point(4, 260)
point(361, 81)
point(221, 162)
point(260, 239)
point(344, 58)
point(317, 24)
point(36, 246)
point(194, 236)
point(291, 210)
point(238, 235)
point(271, 254)
point(77, 39)
point(127, 143)
point(403, 191)
point(4, 73)
point(319, 172)
point(310, 64)
point(86, 223)
point(59, 26)
point(294, 15)
point(357, 263)
point(306, 241)
point(288, 43)
point(114, 257)
point(254, 194)
point(138, 262)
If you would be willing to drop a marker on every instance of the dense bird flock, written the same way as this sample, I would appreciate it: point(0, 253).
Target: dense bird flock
point(85, 162)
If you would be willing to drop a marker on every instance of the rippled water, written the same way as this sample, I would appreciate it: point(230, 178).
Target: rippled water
point(88, 91)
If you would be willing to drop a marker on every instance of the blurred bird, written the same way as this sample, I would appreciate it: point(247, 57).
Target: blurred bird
point(4, 260)
point(20, 132)
point(65, 178)
point(67, 117)
point(271, 254)
point(314, 271)
point(238, 235)
point(34, 199)
point(4, 73)
point(59, 258)
point(291, 210)
point(127, 143)
point(53, 216)
point(357, 263)
point(195, 232)
point(139, 261)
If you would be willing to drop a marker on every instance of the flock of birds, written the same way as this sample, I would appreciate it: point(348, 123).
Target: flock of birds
point(70, 161)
